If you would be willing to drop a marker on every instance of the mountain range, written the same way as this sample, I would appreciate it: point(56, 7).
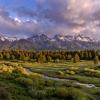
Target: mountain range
point(43, 42)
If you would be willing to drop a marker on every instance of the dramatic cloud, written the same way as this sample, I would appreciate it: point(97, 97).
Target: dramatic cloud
point(52, 17)
point(22, 11)
point(73, 16)
point(13, 26)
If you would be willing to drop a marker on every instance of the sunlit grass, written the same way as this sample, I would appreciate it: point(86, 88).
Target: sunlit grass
point(24, 80)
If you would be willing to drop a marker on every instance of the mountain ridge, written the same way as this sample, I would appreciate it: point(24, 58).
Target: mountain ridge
point(43, 42)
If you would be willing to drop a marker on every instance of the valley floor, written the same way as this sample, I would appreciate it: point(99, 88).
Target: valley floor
point(49, 81)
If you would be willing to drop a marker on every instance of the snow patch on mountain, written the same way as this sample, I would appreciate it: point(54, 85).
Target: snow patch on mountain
point(5, 38)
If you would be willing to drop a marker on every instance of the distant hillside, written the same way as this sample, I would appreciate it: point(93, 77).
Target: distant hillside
point(43, 42)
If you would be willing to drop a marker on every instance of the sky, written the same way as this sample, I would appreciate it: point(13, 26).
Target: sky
point(23, 18)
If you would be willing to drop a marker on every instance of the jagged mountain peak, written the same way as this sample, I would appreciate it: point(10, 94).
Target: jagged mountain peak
point(39, 37)
point(43, 42)
point(83, 38)
point(73, 38)
point(57, 37)
point(5, 38)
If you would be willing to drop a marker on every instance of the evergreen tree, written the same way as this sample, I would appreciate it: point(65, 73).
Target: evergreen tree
point(96, 60)
point(1, 56)
point(49, 59)
point(22, 56)
point(76, 58)
point(7, 56)
point(69, 57)
point(41, 59)
point(13, 57)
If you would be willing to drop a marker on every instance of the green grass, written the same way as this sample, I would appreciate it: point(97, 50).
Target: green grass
point(25, 81)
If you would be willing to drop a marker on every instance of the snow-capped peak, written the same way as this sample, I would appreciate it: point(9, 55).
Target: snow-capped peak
point(73, 38)
point(11, 39)
point(5, 38)
point(83, 38)
point(17, 20)
point(60, 37)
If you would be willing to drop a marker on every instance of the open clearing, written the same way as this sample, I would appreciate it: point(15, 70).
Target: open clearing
point(49, 81)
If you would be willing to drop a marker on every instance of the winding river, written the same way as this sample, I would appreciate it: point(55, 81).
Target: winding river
point(59, 79)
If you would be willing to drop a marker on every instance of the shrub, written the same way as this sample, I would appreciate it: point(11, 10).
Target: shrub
point(92, 72)
point(57, 60)
point(38, 94)
point(77, 94)
point(35, 75)
point(6, 69)
point(60, 73)
point(41, 94)
point(61, 92)
point(49, 83)
point(70, 72)
point(71, 93)
point(24, 81)
point(4, 94)
point(38, 83)
point(96, 60)
point(21, 70)
point(50, 91)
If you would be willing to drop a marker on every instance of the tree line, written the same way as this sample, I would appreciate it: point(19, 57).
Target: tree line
point(49, 56)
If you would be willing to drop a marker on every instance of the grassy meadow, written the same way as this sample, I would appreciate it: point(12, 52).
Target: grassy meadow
point(23, 80)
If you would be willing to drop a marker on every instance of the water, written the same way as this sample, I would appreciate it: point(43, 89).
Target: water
point(76, 82)
point(58, 79)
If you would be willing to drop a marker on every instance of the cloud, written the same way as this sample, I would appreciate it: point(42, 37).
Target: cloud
point(40, 3)
point(73, 15)
point(54, 16)
point(22, 11)
point(15, 26)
